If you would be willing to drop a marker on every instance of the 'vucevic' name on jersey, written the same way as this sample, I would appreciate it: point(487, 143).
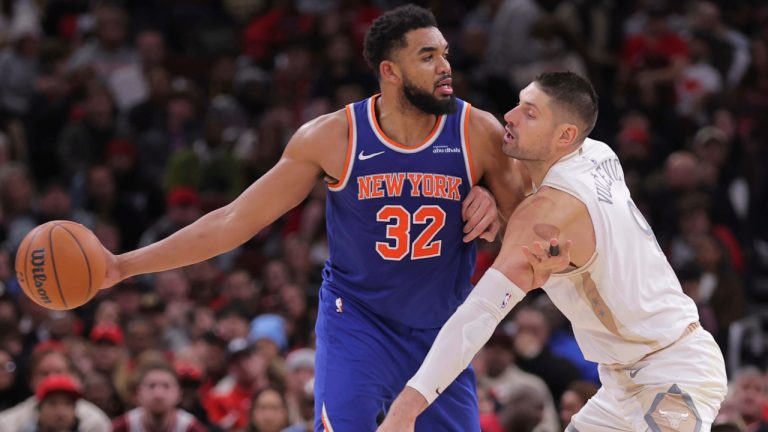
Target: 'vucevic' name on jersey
point(394, 221)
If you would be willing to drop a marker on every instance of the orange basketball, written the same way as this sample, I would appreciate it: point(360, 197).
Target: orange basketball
point(60, 265)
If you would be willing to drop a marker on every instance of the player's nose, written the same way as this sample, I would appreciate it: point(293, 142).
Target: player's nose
point(443, 66)
point(509, 117)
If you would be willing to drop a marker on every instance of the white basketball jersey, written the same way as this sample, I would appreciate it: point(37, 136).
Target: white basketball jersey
point(626, 301)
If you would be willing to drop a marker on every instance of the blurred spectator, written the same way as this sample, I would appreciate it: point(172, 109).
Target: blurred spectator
point(269, 412)
point(141, 336)
point(299, 320)
point(489, 418)
point(177, 129)
point(150, 45)
point(750, 397)
point(267, 332)
point(83, 142)
point(507, 381)
point(729, 48)
point(232, 321)
point(651, 61)
point(690, 280)
point(229, 402)
point(157, 395)
point(56, 204)
point(532, 353)
point(10, 389)
point(46, 362)
point(108, 348)
point(183, 209)
point(719, 283)
point(57, 396)
point(20, 68)
point(299, 374)
point(698, 85)
point(190, 379)
point(109, 51)
point(306, 409)
point(16, 198)
point(266, 33)
point(575, 396)
point(99, 389)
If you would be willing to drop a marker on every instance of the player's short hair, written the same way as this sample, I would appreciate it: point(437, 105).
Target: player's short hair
point(388, 32)
point(574, 93)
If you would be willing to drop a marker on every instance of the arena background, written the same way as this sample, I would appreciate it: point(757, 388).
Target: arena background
point(136, 117)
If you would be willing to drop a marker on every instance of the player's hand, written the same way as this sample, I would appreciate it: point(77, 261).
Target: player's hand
point(113, 275)
point(481, 217)
point(396, 424)
point(403, 412)
point(544, 263)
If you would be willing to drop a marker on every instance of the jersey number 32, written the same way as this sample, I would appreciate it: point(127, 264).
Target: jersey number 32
point(399, 222)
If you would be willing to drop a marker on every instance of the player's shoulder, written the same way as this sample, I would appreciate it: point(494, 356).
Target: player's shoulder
point(331, 124)
point(484, 127)
point(483, 119)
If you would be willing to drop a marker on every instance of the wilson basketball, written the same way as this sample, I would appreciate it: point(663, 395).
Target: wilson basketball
point(60, 265)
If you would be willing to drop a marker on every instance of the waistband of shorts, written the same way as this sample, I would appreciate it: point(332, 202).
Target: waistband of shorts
point(692, 327)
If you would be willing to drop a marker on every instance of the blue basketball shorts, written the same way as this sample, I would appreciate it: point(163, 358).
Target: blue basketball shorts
point(362, 364)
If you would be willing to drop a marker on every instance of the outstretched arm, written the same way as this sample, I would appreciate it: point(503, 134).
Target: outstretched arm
point(548, 214)
point(315, 148)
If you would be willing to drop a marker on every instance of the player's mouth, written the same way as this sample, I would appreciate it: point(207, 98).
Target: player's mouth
point(509, 136)
point(444, 87)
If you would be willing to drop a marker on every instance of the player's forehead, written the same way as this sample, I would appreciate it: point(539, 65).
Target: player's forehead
point(533, 96)
point(427, 38)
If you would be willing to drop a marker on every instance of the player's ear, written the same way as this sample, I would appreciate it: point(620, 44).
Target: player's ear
point(389, 71)
point(568, 134)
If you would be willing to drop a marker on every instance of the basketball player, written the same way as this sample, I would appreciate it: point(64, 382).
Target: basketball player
point(400, 166)
point(659, 369)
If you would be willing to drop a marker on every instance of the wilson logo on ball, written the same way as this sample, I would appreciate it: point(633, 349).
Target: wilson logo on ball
point(38, 273)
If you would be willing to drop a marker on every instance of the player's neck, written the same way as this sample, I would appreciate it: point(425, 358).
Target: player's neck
point(538, 169)
point(403, 122)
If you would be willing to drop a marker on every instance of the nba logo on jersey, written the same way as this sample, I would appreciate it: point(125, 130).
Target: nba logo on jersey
point(339, 305)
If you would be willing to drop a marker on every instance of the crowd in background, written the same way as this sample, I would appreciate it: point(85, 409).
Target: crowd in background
point(136, 117)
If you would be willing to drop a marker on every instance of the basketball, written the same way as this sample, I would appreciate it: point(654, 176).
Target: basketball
point(60, 265)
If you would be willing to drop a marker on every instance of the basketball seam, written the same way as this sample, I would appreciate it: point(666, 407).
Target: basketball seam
point(30, 293)
point(53, 263)
point(87, 263)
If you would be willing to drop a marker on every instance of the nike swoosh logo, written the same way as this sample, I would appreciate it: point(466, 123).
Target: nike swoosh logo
point(634, 372)
point(437, 390)
point(362, 156)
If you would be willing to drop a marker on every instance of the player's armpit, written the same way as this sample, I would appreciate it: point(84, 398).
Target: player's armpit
point(547, 214)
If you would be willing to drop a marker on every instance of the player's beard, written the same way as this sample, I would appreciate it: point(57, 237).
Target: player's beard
point(427, 102)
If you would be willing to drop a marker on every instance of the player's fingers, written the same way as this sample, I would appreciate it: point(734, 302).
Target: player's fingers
point(554, 247)
point(471, 208)
point(533, 260)
point(567, 247)
point(479, 228)
point(468, 201)
point(538, 249)
point(492, 231)
point(478, 211)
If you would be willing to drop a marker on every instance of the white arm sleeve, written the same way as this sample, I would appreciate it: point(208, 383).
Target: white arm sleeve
point(468, 329)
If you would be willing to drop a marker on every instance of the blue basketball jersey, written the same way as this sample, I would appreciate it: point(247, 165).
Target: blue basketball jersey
point(394, 221)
